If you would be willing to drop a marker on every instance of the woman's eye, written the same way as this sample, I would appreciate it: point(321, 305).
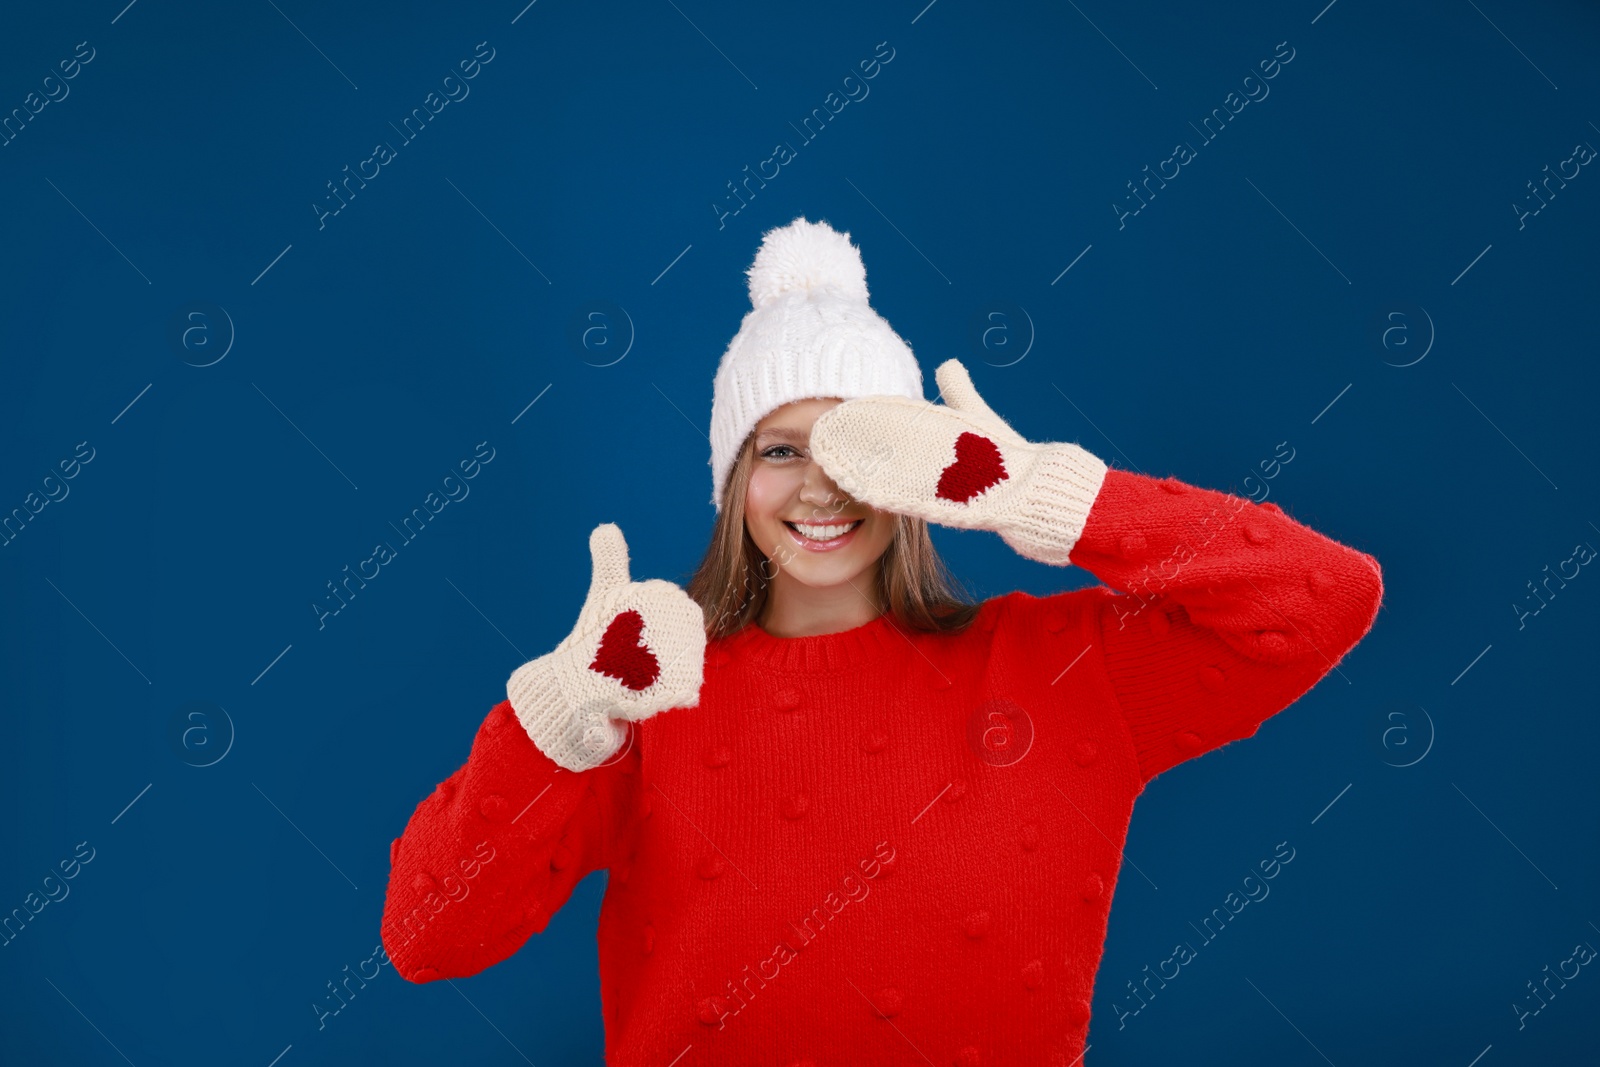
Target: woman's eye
point(768, 453)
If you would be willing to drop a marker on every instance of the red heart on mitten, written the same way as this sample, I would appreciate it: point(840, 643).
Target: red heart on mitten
point(623, 656)
point(977, 467)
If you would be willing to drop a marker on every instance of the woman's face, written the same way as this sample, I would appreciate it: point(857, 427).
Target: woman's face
point(804, 523)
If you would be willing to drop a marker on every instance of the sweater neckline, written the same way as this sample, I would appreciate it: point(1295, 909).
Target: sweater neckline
point(844, 649)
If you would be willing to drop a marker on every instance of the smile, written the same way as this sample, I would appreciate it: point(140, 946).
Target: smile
point(825, 537)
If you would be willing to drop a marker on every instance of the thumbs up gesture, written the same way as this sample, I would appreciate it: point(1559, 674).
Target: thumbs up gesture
point(638, 649)
point(960, 464)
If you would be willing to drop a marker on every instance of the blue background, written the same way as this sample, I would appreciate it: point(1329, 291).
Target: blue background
point(1438, 789)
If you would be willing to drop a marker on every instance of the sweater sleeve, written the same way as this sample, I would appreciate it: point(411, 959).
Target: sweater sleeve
point(495, 850)
point(1230, 611)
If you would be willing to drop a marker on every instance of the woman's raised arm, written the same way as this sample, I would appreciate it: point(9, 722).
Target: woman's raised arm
point(1231, 610)
point(497, 848)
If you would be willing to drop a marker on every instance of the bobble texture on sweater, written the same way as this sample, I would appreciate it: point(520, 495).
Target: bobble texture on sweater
point(884, 846)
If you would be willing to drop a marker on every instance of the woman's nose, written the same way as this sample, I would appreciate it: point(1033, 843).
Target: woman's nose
point(818, 488)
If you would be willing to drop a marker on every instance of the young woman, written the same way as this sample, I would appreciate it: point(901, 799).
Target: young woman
point(847, 816)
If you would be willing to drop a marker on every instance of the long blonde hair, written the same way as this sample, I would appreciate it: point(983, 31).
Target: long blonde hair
point(733, 581)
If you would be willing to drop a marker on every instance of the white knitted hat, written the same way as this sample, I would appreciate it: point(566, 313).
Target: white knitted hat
point(809, 333)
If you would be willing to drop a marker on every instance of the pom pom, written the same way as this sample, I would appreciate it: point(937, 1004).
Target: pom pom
point(806, 257)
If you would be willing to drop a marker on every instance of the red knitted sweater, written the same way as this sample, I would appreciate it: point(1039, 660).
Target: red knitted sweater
point(884, 846)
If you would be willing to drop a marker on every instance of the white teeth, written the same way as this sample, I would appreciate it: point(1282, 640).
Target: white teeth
point(825, 533)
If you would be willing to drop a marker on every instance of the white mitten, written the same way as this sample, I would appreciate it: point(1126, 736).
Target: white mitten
point(638, 648)
point(961, 465)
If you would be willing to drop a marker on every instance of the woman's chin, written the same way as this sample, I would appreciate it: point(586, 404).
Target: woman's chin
point(824, 573)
